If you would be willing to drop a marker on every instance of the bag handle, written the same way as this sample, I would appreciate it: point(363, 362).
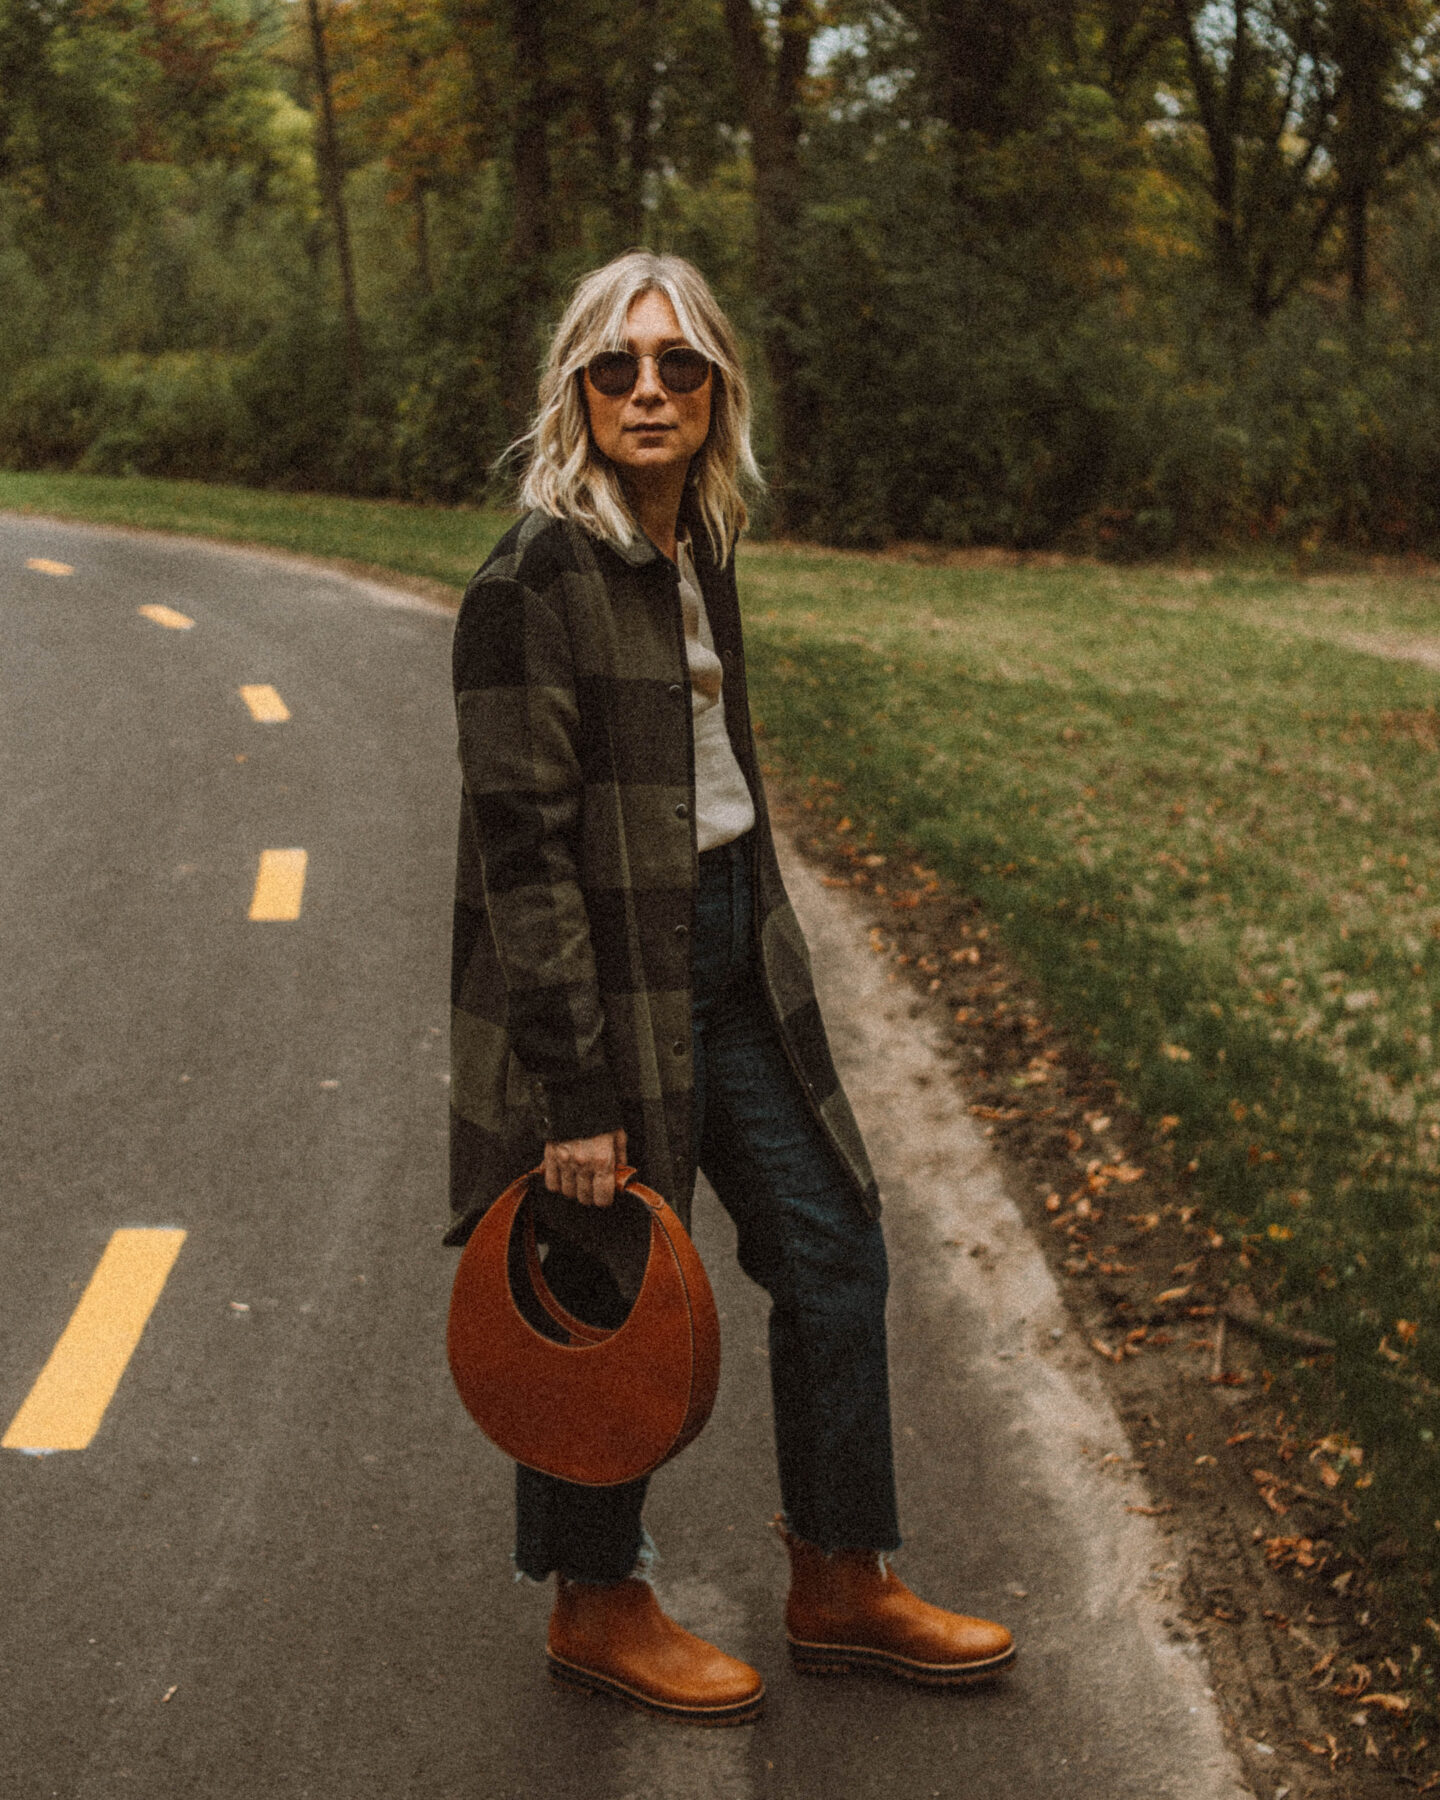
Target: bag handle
point(576, 1329)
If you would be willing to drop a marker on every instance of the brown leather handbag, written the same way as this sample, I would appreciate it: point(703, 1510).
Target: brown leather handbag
point(588, 1405)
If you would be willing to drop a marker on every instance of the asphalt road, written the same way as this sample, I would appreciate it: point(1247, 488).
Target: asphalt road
point(280, 1567)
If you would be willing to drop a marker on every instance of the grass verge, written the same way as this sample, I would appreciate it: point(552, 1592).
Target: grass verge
point(441, 544)
point(1208, 829)
point(1203, 820)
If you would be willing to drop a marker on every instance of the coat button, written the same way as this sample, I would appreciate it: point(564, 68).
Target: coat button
point(676, 691)
point(682, 811)
point(682, 931)
point(679, 1046)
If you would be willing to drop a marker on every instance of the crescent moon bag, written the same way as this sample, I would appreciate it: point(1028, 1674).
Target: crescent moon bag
point(592, 1406)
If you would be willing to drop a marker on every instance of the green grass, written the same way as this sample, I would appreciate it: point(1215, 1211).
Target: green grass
point(1208, 825)
point(438, 543)
point(1212, 832)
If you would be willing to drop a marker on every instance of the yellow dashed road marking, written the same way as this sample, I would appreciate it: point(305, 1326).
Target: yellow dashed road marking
point(279, 885)
point(42, 565)
point(64, 1408)
point(265, 705)
point(166, 616)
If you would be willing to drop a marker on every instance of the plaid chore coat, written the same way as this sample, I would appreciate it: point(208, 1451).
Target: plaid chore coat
point(571, 983)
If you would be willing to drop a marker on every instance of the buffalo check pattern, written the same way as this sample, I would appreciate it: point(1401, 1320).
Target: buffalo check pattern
point(576, 872)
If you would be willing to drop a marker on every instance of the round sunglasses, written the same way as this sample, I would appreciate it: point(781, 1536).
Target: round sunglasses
point(681, 370)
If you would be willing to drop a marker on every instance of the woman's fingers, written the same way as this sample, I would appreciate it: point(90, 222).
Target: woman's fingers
point(583, 1169)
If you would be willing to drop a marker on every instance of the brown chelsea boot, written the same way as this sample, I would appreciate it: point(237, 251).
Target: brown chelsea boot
point(615, 1640)
point(848, 1611)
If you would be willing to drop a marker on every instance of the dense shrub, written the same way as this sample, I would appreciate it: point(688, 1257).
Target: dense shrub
point(176, 415)
point(951, 395)
point(449, 426)
point(53, 412)
point(295, 390)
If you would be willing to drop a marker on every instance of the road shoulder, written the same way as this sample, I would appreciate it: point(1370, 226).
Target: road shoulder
point(957, 1235)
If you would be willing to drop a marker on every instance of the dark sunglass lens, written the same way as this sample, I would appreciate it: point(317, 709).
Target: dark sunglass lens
point(682, 371)
point(614, 372)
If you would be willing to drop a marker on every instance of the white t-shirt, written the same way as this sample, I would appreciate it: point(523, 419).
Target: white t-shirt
point(724, 809)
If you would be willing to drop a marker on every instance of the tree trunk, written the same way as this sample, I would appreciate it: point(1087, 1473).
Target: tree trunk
point(532, 236)
point(332, 188)
point(640, 148)
point(424, 277)
point(771, 83)
point(975, 48)
point(1357, 250)
point(1218, 119)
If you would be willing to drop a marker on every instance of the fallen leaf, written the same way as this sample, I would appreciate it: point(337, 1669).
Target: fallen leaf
point(1177, 1293)
point(1282, 1550)
point(1150, 1512)
point(1269, 1488)
point(1390, 1703)
point(1358, 1680)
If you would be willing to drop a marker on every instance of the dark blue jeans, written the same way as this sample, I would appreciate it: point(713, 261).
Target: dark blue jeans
point(802, 1235)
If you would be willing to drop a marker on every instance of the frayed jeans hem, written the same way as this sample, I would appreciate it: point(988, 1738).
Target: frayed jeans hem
point(820, 1541)
point(645, 1559)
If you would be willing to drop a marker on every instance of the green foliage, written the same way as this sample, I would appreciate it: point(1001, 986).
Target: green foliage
point(53, 412)
point(172, 415)
point(449, 426)
point(1008, 319)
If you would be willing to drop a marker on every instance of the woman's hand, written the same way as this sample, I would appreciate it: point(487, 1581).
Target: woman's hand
point(583, 1169)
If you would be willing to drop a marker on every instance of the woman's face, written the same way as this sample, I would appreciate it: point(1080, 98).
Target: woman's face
point(650, 430)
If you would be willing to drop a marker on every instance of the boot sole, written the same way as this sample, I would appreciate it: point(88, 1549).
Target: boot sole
point(589, 1681)
point(860, 1659)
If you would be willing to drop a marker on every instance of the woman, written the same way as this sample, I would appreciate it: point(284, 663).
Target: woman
point(630, 984)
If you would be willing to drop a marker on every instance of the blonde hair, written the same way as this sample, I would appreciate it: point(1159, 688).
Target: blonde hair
point(566, 475)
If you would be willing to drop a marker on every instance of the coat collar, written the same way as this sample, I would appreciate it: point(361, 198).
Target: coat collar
point(639, 551)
